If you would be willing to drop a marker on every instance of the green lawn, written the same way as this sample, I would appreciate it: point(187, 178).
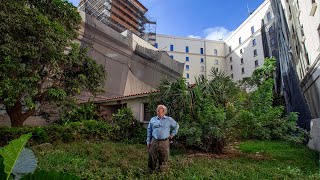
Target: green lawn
point(250, 160)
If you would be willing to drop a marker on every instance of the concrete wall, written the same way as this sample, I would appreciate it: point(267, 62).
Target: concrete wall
point(314, 142)
point(31, 121)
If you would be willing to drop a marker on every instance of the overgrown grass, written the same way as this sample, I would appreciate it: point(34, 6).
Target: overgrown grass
point(108, 160)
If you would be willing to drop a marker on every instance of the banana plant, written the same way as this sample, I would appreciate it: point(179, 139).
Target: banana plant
point(17, 159)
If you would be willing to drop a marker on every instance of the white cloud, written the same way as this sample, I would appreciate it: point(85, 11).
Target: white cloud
point(193, 36)
point(214, 33)
point(217, 33)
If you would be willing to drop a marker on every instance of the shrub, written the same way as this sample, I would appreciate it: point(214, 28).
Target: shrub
point(126, 127)
point(74, 131)
point(78, 113)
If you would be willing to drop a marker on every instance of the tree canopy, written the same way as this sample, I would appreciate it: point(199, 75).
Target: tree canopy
point(39, 60)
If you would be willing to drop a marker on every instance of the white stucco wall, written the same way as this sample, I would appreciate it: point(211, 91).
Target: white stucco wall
point(314, 142)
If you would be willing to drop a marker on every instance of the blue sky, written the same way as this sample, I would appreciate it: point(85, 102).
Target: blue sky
point(210, 19)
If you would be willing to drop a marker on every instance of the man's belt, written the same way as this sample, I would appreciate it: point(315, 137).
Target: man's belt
point(161, 139)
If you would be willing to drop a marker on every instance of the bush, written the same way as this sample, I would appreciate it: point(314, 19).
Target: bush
point(126, 127)
point(74, 131)
point(78, 113)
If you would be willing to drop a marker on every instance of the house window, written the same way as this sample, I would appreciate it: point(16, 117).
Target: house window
point(252, 30)
point(187, 67)
point(187, 49)
point(171, 56)
point(268, 16)
point(255, 52)
point(187, 75)
point(201, 50)
point(202, 68)
point(241, 61)
point(201, 60)
point(215, 52)
point(156, 45)
point(187, 59)
point(256, 63)
point(254, 42)
point(231, 76)
point(217, 69)
point(171, 47)
point(241, 52)
point(242, 70)
point(231, 67)
point(229, 49)
point(240, 41)
point(216, 62)
point(231, 59)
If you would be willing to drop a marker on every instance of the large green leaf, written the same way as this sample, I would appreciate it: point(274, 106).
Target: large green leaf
point(11, 152)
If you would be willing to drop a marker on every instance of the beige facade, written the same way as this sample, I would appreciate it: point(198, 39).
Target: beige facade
point(199, 55)
point(243, 57)
point(244, 47)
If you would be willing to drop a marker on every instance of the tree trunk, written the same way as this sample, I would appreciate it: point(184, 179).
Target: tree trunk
point(16, 116)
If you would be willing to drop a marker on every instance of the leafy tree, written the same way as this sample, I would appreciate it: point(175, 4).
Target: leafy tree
point(38, 59)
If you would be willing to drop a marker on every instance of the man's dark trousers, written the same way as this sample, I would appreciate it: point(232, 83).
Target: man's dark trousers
point(159, 151)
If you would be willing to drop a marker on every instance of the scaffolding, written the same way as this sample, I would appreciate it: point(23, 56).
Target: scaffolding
point(122, 15)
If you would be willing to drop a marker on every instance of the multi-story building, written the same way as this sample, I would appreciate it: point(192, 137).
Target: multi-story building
point(239, 55)
point(245, 46)
point(199, 55)
point(122, 15)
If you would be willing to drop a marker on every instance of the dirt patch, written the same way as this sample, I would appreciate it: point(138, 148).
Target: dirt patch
point(230, 151)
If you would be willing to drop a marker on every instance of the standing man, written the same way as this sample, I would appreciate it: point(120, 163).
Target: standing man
point(158, 135)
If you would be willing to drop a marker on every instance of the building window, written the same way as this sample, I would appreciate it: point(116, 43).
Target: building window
point(201, 60)
point(217, 69)
point(240, 41)
point(231, 76)
point(156, 45)
point(187, 59)
point(231, 59)
point(255, 52)
point(268, 16)
point(216, 62)
point(187, 49)
point(271, 29)
point(256, 63)
point(202, 68)
point(171, 47)
point(215, 52)
point(242, 70)
point(241, 52)
point(272, 42)
point(241, 61)
point(319, 31)
point(230, 49)
point(231, 67)
point(187, 75)
point(252, 30)
point(187, 67)
point(201, 50)
point(171, 56)
point(254, 42)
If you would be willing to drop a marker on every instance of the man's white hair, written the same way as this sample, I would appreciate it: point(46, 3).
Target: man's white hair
point(164, 108)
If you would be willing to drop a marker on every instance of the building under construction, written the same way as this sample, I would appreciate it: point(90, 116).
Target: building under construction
point(122, 15)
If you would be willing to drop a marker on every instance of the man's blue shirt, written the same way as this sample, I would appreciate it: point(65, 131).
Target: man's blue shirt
point(160, 128)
